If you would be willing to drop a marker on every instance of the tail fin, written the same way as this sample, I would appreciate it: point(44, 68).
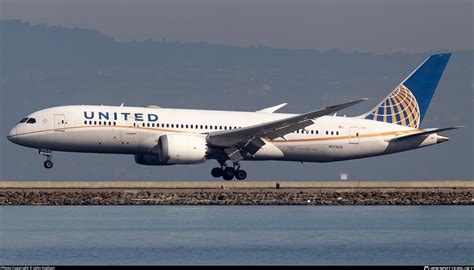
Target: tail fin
point(407, 104)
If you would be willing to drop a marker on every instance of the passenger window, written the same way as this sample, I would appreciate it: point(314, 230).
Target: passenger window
point(205, 126)
point(186, 126)
point(210, 127)
point(317, 132)
point(220, 127)
point(95, 123)
point(85, 122)
point(337, 132)
point(110, 123)
point(201, 126)
point(332, 132)
point(115, 123)
point(23, 120)
point(167, 125)
point(327, 132)
point(90, 122)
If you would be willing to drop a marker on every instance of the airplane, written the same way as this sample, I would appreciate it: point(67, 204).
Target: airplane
point(165, 136)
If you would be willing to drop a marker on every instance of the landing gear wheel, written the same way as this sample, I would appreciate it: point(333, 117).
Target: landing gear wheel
point(240, 174)
point(217, 172)
point(48, 164)
point(228, 173)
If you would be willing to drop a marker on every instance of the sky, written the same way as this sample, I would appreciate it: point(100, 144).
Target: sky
point(376, 26)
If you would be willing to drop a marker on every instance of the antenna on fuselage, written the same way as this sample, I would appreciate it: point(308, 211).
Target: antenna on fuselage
point(121, 105)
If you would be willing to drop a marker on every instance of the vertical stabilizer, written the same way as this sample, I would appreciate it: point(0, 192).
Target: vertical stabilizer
point(407, 104)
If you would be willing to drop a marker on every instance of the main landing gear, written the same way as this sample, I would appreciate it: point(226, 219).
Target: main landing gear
point(228, 173)
point(48, 164)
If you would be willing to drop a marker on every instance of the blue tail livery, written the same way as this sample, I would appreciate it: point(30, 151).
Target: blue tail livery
point(407, 104)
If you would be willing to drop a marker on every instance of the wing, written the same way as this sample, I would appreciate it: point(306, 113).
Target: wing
point(272, 109)
point(248, 140)
point(425, 132)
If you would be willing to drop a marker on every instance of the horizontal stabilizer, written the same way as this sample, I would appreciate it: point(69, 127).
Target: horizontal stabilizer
point(423, 133)
point(273, 109)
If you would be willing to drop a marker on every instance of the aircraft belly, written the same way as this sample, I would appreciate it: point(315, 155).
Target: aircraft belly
point(95, 140)
point(331, 150)
point(304, 151)
point(269, 152)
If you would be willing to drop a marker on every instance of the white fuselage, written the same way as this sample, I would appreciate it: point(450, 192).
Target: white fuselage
point(135, 130)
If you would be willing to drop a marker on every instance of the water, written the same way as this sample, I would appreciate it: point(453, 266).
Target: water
point(236, 235)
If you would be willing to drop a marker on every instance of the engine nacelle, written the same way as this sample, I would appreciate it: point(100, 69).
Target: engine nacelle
point(176, 149)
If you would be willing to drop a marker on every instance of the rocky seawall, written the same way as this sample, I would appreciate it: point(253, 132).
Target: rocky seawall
point(237, 197)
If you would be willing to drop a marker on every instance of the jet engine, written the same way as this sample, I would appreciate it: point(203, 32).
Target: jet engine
point(176, 149)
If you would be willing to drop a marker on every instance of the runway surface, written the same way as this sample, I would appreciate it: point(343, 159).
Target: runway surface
point(237, 185)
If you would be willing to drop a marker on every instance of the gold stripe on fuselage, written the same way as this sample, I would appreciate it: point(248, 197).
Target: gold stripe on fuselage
point(274, 141)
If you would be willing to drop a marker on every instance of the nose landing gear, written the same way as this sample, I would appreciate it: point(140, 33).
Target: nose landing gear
point(48, 164)
point(228, 172)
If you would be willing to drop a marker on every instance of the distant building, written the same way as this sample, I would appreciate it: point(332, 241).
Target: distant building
point(343, 176)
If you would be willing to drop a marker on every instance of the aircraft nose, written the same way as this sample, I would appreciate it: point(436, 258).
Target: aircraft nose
point(11, 134)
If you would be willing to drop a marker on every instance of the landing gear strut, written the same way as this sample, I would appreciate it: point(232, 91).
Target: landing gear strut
point(48, 164)
point(229, 172)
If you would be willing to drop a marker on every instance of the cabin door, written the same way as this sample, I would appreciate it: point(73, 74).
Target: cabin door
point(131, 126)
point(59, 121)
point(354, 133)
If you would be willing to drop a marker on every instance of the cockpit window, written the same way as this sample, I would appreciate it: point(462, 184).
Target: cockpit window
point(31, 121)
point(23, 120)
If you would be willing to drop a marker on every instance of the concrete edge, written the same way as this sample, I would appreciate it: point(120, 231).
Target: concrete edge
point(231, 185)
